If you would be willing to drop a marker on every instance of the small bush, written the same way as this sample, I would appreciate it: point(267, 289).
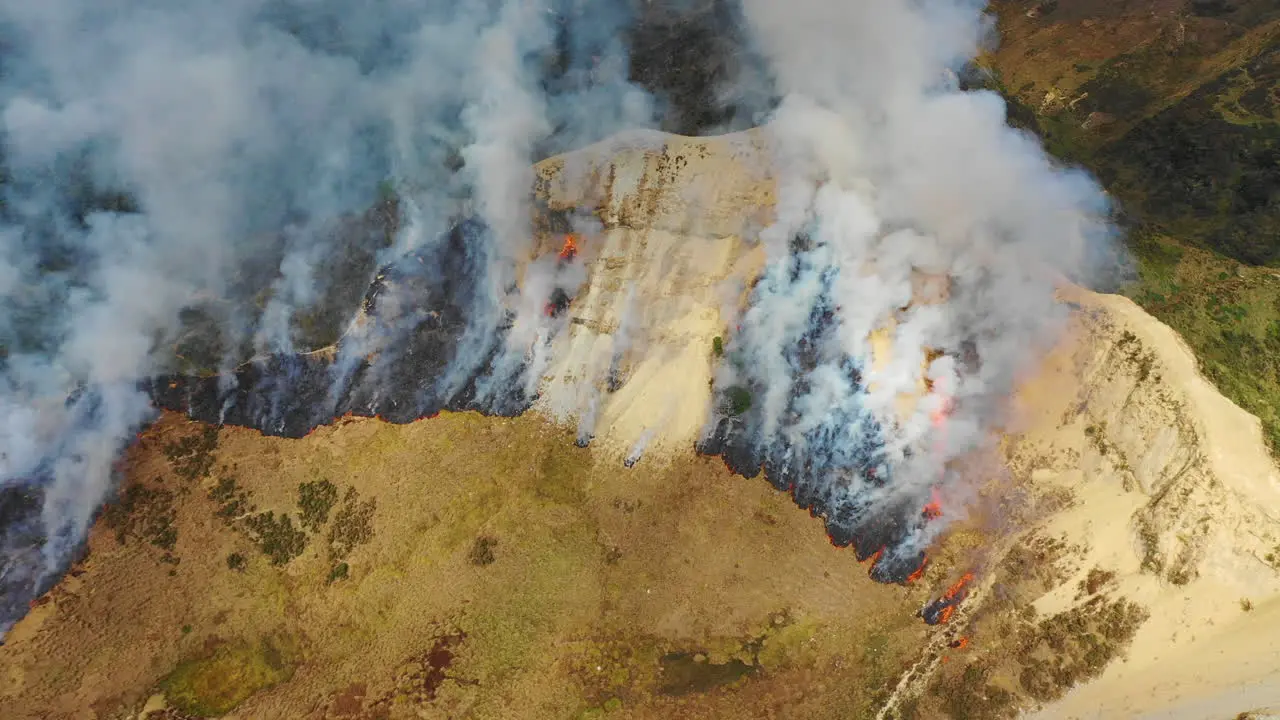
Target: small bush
point(276, 537)
point(232, 501)
point(315, 501)
point(482, 551)
point(338, 572)
point(1246, 604)
point(237, 562)
point(739, 400)
point(192, 456)
point(717, 346)
point(352, 526)
point(145, 512)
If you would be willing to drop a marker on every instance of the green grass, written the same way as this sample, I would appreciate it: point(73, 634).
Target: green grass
point(1196, 169)
point(215, 683)
point(1228, 313)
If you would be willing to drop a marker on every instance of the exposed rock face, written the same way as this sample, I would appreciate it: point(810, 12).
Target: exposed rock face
point(665, 275)
point(1173, 491)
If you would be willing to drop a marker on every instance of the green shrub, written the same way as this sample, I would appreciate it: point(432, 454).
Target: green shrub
point(338, 572)
point(315, 501)
point(352, 526)
point(276, 537)
point(739, 400)
point(192, 456)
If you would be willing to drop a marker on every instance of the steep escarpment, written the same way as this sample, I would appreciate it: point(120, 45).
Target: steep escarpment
point(1143, 527)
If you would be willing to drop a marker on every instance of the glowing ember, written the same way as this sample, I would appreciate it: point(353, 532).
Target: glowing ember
point(959, 587)
point(570, 248)
point(933, 510)
point(940, 611)
point(876, 557)
point(959, 644)
point(919, 572)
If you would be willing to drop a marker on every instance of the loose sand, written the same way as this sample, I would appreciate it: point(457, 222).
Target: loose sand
point(1201, 654)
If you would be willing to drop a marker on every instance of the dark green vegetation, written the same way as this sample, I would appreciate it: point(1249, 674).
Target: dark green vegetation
point(1227, 312)
point(144, 511)
point(737, 400)
point(147, 511)
point(338, 572)
point(482, 551)
point(1178, 114)
point(276, 537)
point(315, 500)
point(352, 526)
point(279, 538)
point(192, 455)
point(232, 501)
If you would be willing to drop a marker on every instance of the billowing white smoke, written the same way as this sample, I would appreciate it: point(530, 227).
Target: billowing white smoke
point(895, 175)
point(231, 132)
point(237, 129)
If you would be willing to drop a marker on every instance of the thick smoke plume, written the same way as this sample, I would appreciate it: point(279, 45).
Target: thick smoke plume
point(912, 266)
point(200, 195)
point(187, 187)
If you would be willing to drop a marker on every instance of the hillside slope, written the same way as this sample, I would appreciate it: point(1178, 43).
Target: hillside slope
point(464, 566)
point(1175, 105)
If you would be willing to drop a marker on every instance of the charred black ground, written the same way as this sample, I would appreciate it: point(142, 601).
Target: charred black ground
point(418, 313)
point(393, 364)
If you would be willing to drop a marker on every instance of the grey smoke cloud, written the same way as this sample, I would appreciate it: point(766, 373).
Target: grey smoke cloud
point(896, 175)
point(170, 157)
point(167, 157)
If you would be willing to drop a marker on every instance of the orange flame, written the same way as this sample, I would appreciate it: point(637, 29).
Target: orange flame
point(876, 558)
point(959, 643)
point(956, 589)
point(919, 572)
point(933, 510)
point(946, 614)
point(570, 248)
